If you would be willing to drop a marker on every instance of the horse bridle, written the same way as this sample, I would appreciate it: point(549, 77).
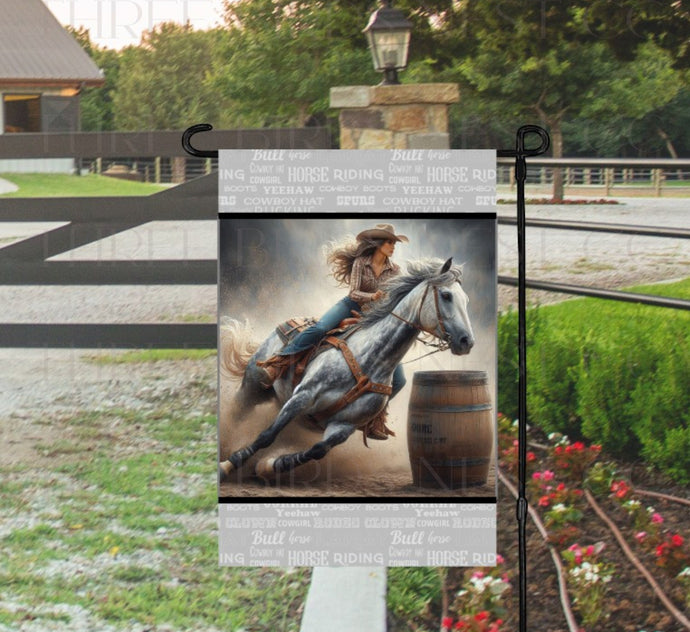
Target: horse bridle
point(444, 336)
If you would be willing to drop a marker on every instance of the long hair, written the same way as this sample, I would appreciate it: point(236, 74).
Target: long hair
point(340, 256)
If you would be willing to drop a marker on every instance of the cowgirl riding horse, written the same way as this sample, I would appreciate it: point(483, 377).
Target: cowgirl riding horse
point(364, 266)
point(428, 299)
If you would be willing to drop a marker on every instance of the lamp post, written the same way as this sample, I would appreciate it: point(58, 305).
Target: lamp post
point(388, 34)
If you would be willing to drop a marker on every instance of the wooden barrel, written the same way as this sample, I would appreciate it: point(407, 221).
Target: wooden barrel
point(450, 429)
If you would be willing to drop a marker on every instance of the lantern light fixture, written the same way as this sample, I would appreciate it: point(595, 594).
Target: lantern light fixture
point(388, 35)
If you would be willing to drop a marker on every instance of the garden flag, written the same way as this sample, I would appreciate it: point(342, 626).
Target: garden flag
point(357, 357)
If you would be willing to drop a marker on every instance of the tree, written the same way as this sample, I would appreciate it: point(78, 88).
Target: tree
point(96, 104)
point(533, 59)
point(163, 83)
point(626, 24)
point(285, 55)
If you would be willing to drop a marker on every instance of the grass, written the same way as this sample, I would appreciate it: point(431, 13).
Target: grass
point(125, 530)
point(593, 313)
point(140, 356)
point(64, 185)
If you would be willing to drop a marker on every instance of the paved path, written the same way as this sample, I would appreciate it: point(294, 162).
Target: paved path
point(7, 187)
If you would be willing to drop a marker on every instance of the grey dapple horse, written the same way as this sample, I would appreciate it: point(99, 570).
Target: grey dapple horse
point(428, 299)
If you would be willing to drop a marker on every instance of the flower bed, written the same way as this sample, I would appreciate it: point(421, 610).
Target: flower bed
point(605, 590)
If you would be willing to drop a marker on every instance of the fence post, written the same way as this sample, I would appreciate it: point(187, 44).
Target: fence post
point(658, 180)
point(608, 181)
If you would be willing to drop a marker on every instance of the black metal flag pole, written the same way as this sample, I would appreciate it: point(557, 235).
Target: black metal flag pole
point(520, 153)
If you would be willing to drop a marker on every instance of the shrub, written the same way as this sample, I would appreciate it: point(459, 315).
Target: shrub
point(508, 358)
point(661, 404)
point(551, 384)
point(615, 374)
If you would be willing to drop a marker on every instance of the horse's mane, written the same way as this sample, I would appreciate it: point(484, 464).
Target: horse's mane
point(400, 286)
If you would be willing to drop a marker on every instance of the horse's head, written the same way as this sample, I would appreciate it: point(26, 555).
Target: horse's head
point(444, 309)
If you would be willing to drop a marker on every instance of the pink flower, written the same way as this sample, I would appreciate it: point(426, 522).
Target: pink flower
point(446, 622)
point(544, 501)
point(478, 574)
point(548, 475)
point(481, 616)
point(657, 519)
point(589, 550)
point(640, 536)
point(574, 547)
point(677, 540)
point(499, 559)
point(536, 476)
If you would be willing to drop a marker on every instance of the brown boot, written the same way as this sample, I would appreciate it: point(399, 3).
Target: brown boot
point(376, 428)
point(273, 368)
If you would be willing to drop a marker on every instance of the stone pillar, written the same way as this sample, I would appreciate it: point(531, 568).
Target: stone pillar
point(406, 116)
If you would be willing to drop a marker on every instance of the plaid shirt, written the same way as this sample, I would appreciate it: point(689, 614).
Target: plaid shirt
point(363, 281)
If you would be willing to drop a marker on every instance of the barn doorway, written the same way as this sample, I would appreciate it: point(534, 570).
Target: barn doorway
point(22, 113)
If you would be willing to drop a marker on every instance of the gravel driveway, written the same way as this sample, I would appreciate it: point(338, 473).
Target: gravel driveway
point(34, 380)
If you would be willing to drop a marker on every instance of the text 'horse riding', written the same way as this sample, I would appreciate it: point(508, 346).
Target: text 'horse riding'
point(428, 299)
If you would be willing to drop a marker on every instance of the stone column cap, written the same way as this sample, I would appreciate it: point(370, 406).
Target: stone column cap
point(364, 96)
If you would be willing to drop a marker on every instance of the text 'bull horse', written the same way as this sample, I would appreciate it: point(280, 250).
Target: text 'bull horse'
point(428, 299)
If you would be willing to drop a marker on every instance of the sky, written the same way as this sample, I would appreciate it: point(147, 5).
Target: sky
point(119, 23)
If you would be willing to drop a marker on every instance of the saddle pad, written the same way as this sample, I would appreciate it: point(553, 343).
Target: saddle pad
point(290, 328)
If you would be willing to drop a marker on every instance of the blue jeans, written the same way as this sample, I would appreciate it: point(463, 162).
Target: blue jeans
point(311, 336)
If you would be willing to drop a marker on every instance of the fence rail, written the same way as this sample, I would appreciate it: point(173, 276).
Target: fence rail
point(605, 176)
point(152, 156)
point(90, 219)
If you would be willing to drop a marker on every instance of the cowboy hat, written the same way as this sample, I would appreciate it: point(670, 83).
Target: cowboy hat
point(381, 231)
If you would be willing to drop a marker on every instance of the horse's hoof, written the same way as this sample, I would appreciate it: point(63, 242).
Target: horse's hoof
point(224, 470)
point(264, 469)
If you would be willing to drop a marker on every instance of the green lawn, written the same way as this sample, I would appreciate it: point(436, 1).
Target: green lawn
point(63, 185)
point(117, 528)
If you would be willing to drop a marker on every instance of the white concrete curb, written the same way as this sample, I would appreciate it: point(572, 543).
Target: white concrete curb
point(346, 599)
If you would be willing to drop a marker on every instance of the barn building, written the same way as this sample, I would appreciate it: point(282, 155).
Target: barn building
point(42, 71)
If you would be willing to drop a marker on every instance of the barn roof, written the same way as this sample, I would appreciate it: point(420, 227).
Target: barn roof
point(36, 49)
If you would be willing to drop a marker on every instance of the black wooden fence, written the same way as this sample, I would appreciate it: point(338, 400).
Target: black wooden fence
point(94, 218)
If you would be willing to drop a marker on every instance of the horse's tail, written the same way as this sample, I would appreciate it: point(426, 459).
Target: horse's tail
point(236, 347)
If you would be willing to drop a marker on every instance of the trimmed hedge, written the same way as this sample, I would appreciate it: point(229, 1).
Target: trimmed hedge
point(612, 373)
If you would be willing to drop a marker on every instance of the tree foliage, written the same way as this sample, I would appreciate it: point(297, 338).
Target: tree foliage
point(597, 74)
point(97, 103)
point(164, 82)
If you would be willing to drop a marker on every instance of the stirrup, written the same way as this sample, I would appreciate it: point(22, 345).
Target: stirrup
point(376, 428)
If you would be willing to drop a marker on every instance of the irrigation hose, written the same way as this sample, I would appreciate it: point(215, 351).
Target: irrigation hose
point(680, 617)
point(562, 586)
point(673, 499)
